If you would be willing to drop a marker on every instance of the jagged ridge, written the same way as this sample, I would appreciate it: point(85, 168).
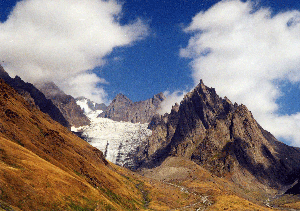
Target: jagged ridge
point(223, 138)
point(123, 109)
point(34, 96)
point(65, 103)
point(43, 166)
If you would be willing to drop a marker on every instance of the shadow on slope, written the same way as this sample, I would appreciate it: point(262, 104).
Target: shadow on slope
point(43, 166)
point(33, 95)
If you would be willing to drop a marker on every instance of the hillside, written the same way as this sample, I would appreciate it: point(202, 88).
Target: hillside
point(43, 166)
point(34, 96)
point(225, 139)
point(65, 103)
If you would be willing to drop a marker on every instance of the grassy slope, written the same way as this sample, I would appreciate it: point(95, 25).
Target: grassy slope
point(43, 166)
point(214, 193)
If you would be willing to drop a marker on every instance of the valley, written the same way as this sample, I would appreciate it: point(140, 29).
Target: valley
point(126, 105)
point(206, 154)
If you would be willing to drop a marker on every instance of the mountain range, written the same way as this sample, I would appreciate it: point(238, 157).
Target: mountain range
point(223, 138)
point(205, 154)
point(65, 103)
point(123, 109)
point(44, 166)
point(34, 96)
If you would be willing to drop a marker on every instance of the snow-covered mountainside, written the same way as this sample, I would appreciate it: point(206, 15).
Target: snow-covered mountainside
point(119, 141)
point(88, 105)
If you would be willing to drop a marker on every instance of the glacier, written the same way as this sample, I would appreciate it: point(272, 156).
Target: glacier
point(119, 141)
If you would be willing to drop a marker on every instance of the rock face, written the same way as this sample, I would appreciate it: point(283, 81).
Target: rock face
point(65, 103)
point(34, 96)
point(123, 109)
point(224, 138)
point(44, 166)
point(295, 189)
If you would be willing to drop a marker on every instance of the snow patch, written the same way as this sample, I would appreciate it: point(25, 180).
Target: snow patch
point(119, 141)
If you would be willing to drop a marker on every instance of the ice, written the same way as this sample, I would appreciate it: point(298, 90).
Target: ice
point(119, 141)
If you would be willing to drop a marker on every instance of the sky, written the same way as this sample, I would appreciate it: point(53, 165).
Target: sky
point(248, 51)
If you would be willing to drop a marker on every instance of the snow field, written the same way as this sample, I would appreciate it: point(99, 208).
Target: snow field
point(119, 141)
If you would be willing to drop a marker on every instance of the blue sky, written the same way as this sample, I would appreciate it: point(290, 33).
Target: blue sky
point(140, 48)
point(153, 65)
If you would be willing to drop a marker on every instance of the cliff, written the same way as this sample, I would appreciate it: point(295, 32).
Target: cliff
point(123, 109)
point(34, 96)
point(225, 139)
point(65, 103)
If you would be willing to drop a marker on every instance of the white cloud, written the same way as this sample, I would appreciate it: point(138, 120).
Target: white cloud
point(60, 40)
point(171, 99)
point(87, 82)
point(242, 51)
point(286, 126)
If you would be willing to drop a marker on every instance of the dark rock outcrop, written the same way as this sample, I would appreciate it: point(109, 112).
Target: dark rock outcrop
point(123, 109)
point(224, 138)
point(118, 108)
point(65, 103)
point(34, 96)
point(295, 189)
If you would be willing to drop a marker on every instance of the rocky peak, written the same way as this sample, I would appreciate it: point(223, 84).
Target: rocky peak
point(159, 97)
point(50, 89)
point(222, 137)
point(3, 74)
point(34, 96)
point(121, 97)
point(175, 107)
point(202, 106)
point(121, 100)
point(123, 109)
point(65, 103)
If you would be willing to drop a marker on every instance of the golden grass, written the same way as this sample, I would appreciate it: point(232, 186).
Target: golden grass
point(30, 182)
point(43, 166)
point(295, 205)
point(160, 196)
point(232, 202)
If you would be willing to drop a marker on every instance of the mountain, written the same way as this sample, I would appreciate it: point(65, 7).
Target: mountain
point(119, 141)
point(123, 109)
point(44, 166)
point(120, 129)
point(89, 106)
point(65, 103)
point(34, 96)
point(223, 138)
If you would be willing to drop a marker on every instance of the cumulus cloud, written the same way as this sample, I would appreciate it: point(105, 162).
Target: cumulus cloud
point(171, 99)
point(243, 51)
point(84, 85)
point(61, 40)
